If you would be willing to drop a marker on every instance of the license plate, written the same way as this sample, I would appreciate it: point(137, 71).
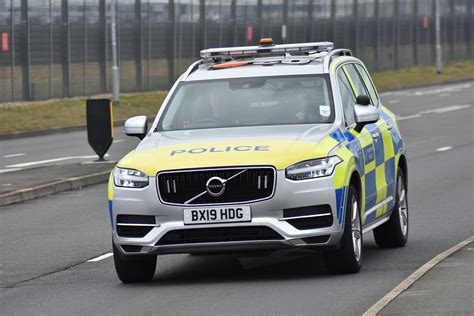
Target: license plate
point(219, 214)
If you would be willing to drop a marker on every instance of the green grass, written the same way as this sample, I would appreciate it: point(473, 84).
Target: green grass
point(422, 76)
point(70, 112)
point(29, 116)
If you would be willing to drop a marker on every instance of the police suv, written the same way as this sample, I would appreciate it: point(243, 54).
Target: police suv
point(262, 148)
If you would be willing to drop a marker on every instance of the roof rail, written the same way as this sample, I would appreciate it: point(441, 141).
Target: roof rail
point(335, 53)
point(248, 52)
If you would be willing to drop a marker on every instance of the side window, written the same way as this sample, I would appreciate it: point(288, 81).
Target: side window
point(356, 80)
point(369, 85)
point(347, 97)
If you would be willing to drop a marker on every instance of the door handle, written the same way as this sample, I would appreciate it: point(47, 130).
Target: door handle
point(389, 126)
point(375, 135)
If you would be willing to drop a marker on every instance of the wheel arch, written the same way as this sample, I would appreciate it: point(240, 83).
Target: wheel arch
point(402, 163)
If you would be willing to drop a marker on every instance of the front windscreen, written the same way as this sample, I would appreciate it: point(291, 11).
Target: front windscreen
point(254, 101)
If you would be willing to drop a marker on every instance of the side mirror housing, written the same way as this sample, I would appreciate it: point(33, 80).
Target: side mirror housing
point(366, 114)
point(363, 99)
point(136, 126)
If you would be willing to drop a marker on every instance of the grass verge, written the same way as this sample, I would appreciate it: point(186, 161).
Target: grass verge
point(26, 116)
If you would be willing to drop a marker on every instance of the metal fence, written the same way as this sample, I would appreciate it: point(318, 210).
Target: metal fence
point(61, 48)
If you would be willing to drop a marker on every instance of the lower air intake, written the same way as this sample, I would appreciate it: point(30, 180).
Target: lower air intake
point(221, 234)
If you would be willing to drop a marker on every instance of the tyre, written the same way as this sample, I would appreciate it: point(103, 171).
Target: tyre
point(394, 233)
point(132, 269)
point(348, 257)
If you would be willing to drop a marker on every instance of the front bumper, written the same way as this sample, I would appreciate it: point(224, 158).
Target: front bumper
point(269, 213)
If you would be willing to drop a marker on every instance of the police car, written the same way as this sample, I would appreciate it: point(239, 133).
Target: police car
point(262, 148)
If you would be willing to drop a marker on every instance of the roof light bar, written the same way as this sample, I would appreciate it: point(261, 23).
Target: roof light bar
point(253, 51)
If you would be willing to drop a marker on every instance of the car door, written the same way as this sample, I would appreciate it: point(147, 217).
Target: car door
point(376, 146)
point(391, 135)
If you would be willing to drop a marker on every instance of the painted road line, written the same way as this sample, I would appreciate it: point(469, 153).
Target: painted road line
point(104, 256)
point(9, 170)
point(33, 163)
point(401, 118)
point(405, 284)
point(444, 148)
point(119, 141)
point(14, 155)
point(446, 109)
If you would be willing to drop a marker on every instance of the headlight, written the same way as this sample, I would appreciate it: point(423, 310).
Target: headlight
point(129, 178)
point(310, 169)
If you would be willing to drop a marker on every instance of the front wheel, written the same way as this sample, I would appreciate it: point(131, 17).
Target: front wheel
point(394, 233)
point(133, 269)
point(348, 257)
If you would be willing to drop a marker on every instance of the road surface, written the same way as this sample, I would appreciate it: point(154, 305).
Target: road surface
point(46, 243)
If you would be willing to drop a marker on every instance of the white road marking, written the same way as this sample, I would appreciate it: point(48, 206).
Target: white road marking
point(33, 163)
point(442, 110)
point(446, 109)
point(444, 148)
point(423, 92)
point(405, 284)
point(14, 155)
point(104, 256)
point(119, 141)
point(401, 118)
point(9, 170)
point(7, 184)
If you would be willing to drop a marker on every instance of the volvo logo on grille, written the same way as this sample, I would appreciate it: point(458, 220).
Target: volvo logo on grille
point(215, 186)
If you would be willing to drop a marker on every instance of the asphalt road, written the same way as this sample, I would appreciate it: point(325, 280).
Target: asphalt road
point(45, 244)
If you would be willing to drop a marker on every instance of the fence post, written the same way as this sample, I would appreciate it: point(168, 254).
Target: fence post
point(309, 20)
point(259, 25)
point(377, 35)
point(470, 26)
point(103, 51)
point(395, 34)
point(355, 12)
point(171, 42)
point(284, 26)
point(452, 24)
point(334, 21)
point(233, 22)
point(66, 51)
point(84, 85)
point(138, 45)
point(25, 51)
point(415, 33)
point(202, 24)
point(50, 70)
point(12, 32)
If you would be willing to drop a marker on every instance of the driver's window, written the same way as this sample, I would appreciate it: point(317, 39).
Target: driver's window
point(347, 97)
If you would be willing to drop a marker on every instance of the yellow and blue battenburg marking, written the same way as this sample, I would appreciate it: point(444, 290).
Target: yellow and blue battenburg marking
point(374, 160)
point(110, 197)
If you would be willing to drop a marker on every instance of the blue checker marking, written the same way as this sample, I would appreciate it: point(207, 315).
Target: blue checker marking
point(370, 217)
point(370, 190)
point(341, 196)
point(337, 135)
point(379, 150)
point(349, 136)
point(110, 214)
point(390, 171)
point(356, 150)
point(369, 154)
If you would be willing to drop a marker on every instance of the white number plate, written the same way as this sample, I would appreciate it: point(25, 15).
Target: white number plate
point(217, 214)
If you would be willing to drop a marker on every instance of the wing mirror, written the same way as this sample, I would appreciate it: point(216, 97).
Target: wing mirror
point(365, 113)
point(136, 126)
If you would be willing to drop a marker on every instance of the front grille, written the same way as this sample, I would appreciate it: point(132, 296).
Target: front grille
point(309, 222)
point(247, 184)
point(221, 234)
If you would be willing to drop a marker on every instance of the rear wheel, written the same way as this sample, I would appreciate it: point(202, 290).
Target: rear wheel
point(136, 268)
point(394, 233)
point(348, 257)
